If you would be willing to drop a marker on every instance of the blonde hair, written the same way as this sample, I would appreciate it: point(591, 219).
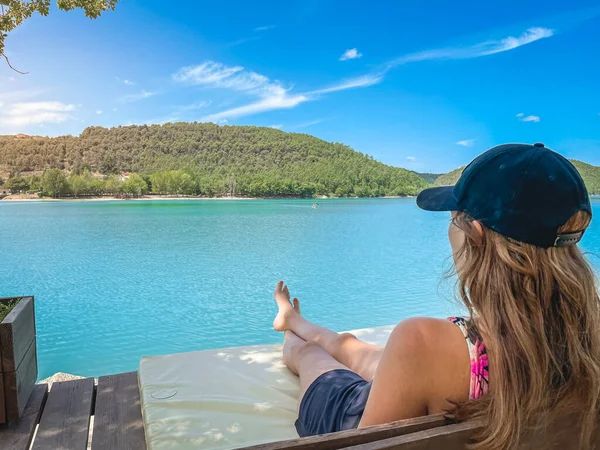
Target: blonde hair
point(539, 313)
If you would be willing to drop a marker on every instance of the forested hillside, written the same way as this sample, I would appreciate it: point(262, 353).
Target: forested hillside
point(589, 173)
point(216, 160)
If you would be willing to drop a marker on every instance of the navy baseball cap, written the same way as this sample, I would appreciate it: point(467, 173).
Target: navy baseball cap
point(524, 192)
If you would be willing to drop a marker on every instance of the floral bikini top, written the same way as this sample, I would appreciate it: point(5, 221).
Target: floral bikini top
point(479, 359)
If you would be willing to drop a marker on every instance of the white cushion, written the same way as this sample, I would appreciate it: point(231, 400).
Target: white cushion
point(217, 399)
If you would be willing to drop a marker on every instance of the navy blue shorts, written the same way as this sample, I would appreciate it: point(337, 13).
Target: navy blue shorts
point(335, 401)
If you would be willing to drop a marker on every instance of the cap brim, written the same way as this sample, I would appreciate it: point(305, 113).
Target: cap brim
point(437, 199)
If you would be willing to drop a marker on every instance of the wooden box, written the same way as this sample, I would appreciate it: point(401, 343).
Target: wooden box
point(18, 359)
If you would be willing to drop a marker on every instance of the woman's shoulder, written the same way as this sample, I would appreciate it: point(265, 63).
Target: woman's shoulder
point(437, 347)
point(428, 334)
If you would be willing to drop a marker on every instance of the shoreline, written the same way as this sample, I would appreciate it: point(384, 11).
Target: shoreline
point(29, 198)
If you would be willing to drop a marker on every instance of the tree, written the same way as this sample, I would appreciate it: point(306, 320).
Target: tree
point(112, 185)
point(80, 184)
point(134, 186)
point(54, 182)
point(16, 184)
point(14, 12)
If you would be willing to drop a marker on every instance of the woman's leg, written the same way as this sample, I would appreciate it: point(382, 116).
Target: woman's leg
point(307, 360)
point(351, 352)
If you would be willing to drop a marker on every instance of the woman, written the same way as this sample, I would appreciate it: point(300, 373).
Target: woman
point(518, 212)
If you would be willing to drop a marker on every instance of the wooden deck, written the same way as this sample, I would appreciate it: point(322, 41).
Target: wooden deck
point(76, 415)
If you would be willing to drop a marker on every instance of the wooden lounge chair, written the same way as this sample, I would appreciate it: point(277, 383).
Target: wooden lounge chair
point(74, 415)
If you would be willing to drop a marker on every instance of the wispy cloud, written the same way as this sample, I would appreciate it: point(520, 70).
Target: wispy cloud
point(99, 112)
point(352, 83)
point(271, 95)
point(127, 82)
point(277, 127)
point(35, 113)
point(467, 142)
point(276, 101)
point(477, 50)
point(411, 158)
point(214, 74)
point(139, 96)
point(523, 118)
point(195, 106)
point(351, 53)
point(242, 41)
point(265, 28)
point(313, 122)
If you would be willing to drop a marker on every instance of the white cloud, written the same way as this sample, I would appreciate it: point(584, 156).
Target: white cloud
point(127, 82)
point(114, 109)
point(411, 158)
point(99, 112)
point(195, 106)
point(467, 142)
point(277, 127)
point(11, 79)
point(271, 95)
point(351, 53)
point(265, 28)
point(29, 113)
point(362, 81)
point(243, 41)
point(477, 50)
point(310, 124)
point(277, 101)
point(139, 96)
point(214, 74)
point(523, 118)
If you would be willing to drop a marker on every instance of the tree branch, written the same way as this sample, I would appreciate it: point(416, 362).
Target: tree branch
point(10, 65)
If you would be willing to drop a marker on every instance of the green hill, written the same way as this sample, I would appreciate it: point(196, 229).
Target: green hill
point(589, 173)
point(450, 178)
point(217, 159)
point(429, 177)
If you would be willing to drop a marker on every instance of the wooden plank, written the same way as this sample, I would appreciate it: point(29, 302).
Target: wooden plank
point(18, 435)
point(2, 404)
point(450, 437)
point(358, 436)
point(118, 421)
point(19, 385)
point(66, 418)
point(17, 331)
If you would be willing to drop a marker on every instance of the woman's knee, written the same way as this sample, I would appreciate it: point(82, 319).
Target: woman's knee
point(292, 354)
point(343, 339)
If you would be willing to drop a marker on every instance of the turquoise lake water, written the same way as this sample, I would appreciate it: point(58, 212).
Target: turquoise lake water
point(115, 281)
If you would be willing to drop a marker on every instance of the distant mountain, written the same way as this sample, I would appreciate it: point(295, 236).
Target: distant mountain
point(429, 177)
point(450, 178)
point(589, 173)
point(251, 161)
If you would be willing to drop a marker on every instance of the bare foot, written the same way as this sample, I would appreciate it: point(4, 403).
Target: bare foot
point(286, 309)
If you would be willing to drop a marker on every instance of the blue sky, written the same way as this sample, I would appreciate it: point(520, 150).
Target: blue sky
point(426, 87)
